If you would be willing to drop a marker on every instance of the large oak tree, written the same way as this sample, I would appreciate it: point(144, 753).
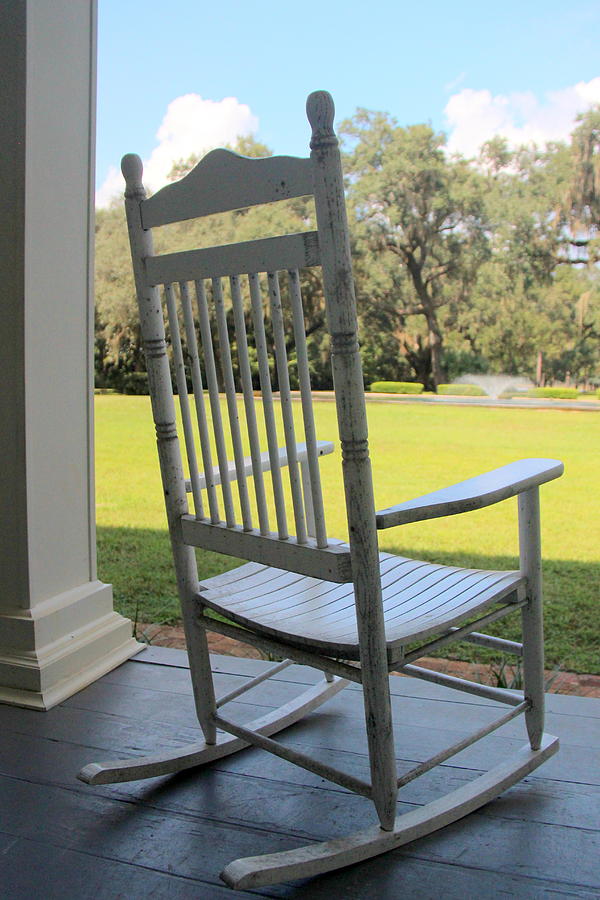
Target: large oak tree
point(424, 213)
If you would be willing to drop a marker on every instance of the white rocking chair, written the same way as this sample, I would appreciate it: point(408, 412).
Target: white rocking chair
point(344, 609)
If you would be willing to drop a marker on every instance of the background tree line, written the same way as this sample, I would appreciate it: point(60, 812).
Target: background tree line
point(485, 265)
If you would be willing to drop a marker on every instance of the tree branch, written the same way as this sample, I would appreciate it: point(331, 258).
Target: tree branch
point(399, 251)
point(411, 311)
point(443, 270)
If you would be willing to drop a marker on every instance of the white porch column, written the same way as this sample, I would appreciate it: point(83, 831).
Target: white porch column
point(58, 630)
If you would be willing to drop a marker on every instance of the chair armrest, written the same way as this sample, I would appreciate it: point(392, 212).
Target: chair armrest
point(323, 448)
point(475, 493)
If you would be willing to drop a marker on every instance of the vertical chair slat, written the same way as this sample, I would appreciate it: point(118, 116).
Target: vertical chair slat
point(286, 405)
point(234, 422)
point(246, 376)
point(190, 333)
point(183, 399)
point(307, 411)
point(213, 393)
point(309, 511)
point(267, 396)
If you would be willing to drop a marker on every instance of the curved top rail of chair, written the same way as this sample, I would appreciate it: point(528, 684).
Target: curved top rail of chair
point(474, 493)
point(224, 180)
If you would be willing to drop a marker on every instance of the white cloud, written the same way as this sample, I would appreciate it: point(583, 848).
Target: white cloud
point(476, 116)
point(112, 186)
point(191, 125)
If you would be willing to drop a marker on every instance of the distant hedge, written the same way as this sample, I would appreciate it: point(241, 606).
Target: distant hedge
point(122, 382)
point(553, 393)
point(461, 390)
point(396, 387)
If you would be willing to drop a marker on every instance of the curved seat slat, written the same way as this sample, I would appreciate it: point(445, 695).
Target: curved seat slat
point(418, 599)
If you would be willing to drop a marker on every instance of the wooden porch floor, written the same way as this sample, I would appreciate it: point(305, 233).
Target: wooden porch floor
point(170, 837)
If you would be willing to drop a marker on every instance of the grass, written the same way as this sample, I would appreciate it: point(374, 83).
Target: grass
point(415, 449)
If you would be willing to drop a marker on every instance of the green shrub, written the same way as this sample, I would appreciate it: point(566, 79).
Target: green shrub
point(134, 383)
point(510, 395)
point(553, 393)
point(118, 381)
point(461, 390)
point(396, 387)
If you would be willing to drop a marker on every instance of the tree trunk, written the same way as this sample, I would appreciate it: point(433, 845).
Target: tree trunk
point(419, 359)
point(434, 335)
point(435, 347)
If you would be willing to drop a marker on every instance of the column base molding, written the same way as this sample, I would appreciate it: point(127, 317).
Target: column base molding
point(42, 662)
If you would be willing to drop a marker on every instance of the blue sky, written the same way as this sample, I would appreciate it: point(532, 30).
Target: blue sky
point(472, 69)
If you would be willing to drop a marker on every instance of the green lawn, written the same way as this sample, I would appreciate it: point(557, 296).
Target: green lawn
point(415, 449)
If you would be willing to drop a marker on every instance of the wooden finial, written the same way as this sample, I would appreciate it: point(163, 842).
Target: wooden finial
point(132, 169)
point(320, 110)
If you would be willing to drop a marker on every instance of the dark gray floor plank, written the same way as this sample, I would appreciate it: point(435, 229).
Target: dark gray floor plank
point(540, 839)
point(56, 763)
point(443, 722)
point(414, 741)
point(187, 846)
point(173, 718)
point(400, 686)
point(165, 656)
point(197, 846)
point(396, 875)
point(34, 871)
point(582, 730)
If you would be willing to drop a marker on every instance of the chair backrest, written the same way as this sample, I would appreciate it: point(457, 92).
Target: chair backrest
point(225, 290)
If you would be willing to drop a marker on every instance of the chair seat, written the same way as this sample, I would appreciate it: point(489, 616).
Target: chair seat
point(419, 598)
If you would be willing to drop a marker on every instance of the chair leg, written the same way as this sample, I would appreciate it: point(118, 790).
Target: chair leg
point(200, 671)
point(380, 737)
point(532, 614)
